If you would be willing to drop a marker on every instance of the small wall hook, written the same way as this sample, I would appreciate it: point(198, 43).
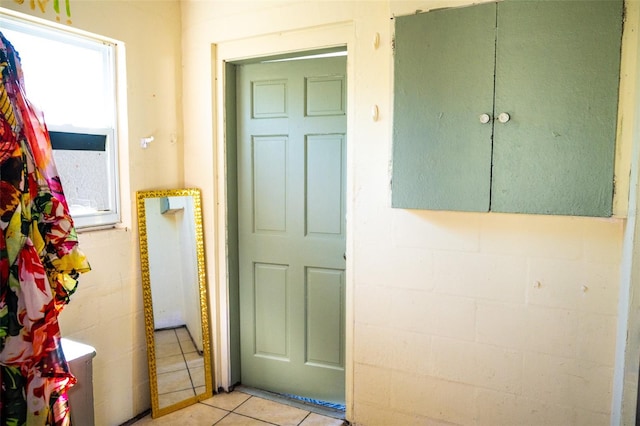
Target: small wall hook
point(376, 40)
point(144, 142)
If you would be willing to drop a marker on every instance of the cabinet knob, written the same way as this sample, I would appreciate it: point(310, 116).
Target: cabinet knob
point(485, 118)
point(504, 117)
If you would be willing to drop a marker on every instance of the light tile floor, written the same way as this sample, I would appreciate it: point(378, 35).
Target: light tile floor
point(241, 409)
point(179, 366)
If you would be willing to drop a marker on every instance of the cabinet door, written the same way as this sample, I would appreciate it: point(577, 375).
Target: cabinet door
point(557, 71)
point(443, 82)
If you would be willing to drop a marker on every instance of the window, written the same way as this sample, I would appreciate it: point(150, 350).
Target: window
point(70, 77)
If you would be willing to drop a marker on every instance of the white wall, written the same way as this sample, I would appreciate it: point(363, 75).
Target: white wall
point(452, 317)
point(106, 311)
point(189, 271)
point(165, 265)
point(445, 319)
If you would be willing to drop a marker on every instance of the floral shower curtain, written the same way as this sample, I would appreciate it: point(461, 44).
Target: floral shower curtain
point(39, 260)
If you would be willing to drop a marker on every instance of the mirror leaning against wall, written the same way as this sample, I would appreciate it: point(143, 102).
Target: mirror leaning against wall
point(175, 298)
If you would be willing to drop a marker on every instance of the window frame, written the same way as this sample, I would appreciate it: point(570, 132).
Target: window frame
point(110, 50)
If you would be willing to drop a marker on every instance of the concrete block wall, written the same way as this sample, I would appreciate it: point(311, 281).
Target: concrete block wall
point(449, 324)
point(454, 318)
point(487, 319)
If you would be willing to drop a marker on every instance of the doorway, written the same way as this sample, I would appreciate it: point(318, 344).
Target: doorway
point(286, 172)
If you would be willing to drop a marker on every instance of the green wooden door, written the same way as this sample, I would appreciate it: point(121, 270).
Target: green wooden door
point(291, 221)
point(443, 83)
point(557, 71)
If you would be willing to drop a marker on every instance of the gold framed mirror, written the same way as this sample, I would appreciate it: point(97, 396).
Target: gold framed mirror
point(174, 290)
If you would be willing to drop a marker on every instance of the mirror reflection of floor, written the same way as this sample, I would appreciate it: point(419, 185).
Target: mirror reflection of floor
point(179, 366)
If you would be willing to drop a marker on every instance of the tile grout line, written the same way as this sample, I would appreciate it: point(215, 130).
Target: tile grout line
point(305, 418)
point(280, 399)
point(186, 365)
point(223, 417)
point(251, 417)
point(228, 412)
point(173, 371)
point(239, 414)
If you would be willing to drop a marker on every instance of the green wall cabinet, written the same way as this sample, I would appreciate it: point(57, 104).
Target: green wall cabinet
point(507, 107)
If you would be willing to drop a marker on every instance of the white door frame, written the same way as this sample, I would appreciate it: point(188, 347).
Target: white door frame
point(316, 38)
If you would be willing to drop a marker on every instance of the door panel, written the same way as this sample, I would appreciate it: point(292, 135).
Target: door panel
point(324, 185)
point(443, 82)
point(291, 230)
point(325, 318)
point(557, 70)
point(269, 171)
point(325, 95)
point(270, 307)
point(269, 98)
